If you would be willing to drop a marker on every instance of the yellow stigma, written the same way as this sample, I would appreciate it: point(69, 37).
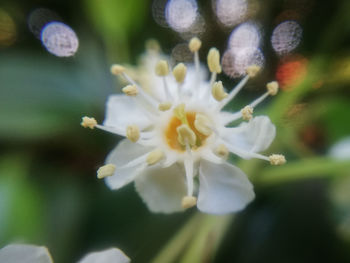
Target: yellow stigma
point(277, 159)
point(180, 113)
point(195, 44)
point(186, 135)
point(133, 133)
point(247, 113)
point(105, 171)
point(188, 202)
point(218, 91)
point(164, 106)
point(214, 60)
point(179, 72)
point(117, 69)
point(130, 90)
point(222, 151)
point(162, 68)
point(202, 124)
point(88, 122)
point(154, 156)
point(253, 70)
point(272, 88)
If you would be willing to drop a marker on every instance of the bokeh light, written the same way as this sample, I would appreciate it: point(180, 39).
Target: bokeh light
point(291, 72)
point(246, 35)
point(59, 39)
point(181, 53)
point(286, 37)
point(8, 31)
point(39, 17)
point(235, 62)
point(158, 12)
point(181, 14)
point(230, 12)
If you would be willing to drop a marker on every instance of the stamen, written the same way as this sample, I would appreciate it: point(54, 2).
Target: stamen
point(154, 156)
point(188, 202)
point(186, 135)
point(120, 70)
point(195, 44)
point(222, 151)
point(133, 133)
point(253, 70)
point(218, 91)
point(88, 122)
point(162, 68)
point(188, 163)
point(277, 159)
point(234, 92)
point(202, 124)
point(179, 72)
point(117, 69)
point(164, 106)
point(130, 90)
point(247, 113)
point(105, 171)
point(152, 45)
point(272, 88)
point(213, 60)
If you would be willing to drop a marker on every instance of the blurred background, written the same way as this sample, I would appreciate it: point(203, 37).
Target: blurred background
point(54, 69)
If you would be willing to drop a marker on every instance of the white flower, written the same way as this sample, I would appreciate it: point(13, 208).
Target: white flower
point(177, 132)
point(20, 253)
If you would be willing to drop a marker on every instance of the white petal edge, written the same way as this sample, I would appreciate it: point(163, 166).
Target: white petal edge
point(21, 253)
point(223, 188)
point(253, 136)
point(112, 255)
point(162, 189)
point(125, 152)
point(122, 111)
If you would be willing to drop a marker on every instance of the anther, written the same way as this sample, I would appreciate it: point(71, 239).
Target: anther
point(162, 68)
point(88, 122)
point(272, 88)
point(202, 124)
point(195, 44)
point(179, 72)
point(130, 90)
point(152, 45)
point(164, 106)
point(186, 135)
point(253, 70)
point(222, 151)
point(247, 113)
point(105, 171)
point(218, 91)
point(154, 156)
point(117, 69)
point(277, 159)
point(188, 201)
point(213, 60)
point(133, 133)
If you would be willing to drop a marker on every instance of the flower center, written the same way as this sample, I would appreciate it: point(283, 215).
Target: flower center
point(175, 138)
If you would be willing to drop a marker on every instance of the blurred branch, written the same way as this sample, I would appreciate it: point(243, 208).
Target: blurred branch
point(303, 169)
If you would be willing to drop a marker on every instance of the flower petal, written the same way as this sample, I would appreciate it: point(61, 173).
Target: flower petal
point(16, 253)
point(124, 153)
point(162, 189)
point(112, 255)
point(122, 111)
point(223, 188)
point(254, 136)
